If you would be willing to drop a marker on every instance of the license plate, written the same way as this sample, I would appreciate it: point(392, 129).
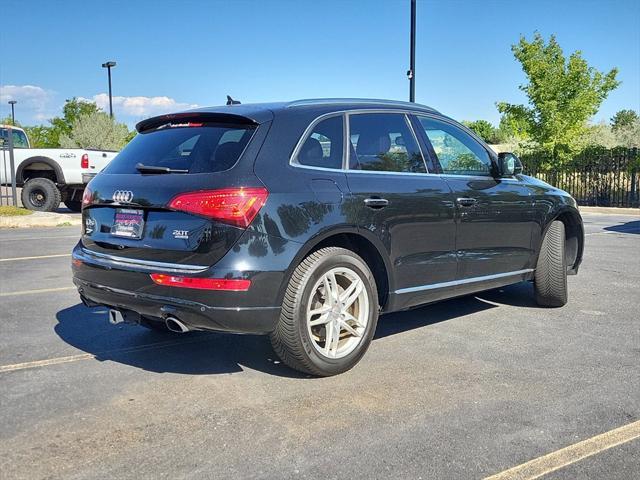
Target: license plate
point(128, 223)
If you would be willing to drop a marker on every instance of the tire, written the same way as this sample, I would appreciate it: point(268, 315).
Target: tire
point(550, 281)
point(305, 347)
point(74, 205)
point(41, 195)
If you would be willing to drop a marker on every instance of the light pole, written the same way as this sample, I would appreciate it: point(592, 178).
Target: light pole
point(411, 73)
point(13, 112)
point(108, 66)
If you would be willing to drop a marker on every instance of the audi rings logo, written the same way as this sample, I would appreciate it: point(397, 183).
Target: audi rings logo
point(122, 196)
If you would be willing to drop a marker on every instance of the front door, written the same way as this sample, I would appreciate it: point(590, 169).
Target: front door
point(393, 197)
point(494, 216)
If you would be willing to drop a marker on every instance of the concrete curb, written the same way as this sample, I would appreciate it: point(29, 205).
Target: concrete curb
point(40, 219)
point(611, 210)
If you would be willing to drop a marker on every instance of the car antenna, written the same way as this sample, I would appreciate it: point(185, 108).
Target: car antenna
point(231, 101)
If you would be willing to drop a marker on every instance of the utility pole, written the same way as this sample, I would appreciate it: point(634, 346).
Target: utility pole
point(108, 66)
point(13, 112)
point(411, 74)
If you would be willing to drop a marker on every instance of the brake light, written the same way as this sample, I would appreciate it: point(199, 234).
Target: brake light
point(237, 206)
point(229, 285)
point(84, 161)
point(87, 197)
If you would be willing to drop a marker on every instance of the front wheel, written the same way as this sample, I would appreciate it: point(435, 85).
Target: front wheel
point(329, 313)
point(40, 194)
point(550, 283)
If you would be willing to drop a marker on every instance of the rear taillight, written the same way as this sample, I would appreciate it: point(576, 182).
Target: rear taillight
point(87, 197)
point(230, 285)
point(237, 206)
point(84, 161)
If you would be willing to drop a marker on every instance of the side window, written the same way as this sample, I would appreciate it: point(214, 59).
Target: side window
point(457, 152)
point(383, 142)
point(324, 146)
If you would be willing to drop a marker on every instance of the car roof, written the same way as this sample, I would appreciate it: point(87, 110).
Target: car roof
point(263, 112)
point(13, 127)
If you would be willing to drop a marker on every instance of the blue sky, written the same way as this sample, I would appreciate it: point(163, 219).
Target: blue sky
point(175, 54)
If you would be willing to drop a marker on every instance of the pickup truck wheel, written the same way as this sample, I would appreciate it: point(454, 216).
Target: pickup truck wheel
point(40, 194)
point(329, 313)
point(550, 282)
point(73, 205)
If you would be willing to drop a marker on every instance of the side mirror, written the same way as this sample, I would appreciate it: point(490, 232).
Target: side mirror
point(509, 164)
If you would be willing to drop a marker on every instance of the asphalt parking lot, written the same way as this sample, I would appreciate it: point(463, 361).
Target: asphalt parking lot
point(462, 389)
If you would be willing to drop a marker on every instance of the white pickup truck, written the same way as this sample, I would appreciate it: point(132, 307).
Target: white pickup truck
point(49, 176)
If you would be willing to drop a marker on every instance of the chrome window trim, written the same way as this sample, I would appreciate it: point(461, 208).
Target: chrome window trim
point(464, 129)
point(405, 114)
point(347, 141)
point(293, 160)
point(464, 281)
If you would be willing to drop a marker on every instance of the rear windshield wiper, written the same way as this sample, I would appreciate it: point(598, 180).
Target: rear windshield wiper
point(155, 169)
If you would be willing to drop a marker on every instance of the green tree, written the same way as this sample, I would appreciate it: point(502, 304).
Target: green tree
point(624, 118)
point(482, 128)
point(563, 94)
point(72, 110)
point(8, 121)
point(95, 130)
point(40, 136)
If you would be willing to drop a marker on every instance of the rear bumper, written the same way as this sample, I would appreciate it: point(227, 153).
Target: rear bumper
point(122, 286)
point(196, 315)
point(87, 177)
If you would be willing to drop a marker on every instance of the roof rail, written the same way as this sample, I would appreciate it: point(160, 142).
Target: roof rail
point(363, 101)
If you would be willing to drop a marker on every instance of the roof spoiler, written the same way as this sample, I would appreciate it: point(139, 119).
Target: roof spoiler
point(154, 122)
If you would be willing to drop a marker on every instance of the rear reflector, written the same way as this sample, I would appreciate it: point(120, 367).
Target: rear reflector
point(237, 206)
point(84, 161)
point(229, 285)
point(87, 197)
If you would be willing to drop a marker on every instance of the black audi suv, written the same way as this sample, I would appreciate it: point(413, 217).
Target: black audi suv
point(306, 220)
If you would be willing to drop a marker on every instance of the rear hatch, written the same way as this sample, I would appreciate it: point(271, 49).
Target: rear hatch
point(176, 193)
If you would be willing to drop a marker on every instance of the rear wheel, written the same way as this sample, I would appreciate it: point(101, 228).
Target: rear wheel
point(329, 313)
point(551, 271)
point(40, 194)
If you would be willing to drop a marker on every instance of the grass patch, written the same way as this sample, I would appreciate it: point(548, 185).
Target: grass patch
point(6, 211)
point(64, 224)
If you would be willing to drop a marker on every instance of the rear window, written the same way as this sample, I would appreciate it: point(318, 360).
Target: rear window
point(19, 138)
point(206, 148)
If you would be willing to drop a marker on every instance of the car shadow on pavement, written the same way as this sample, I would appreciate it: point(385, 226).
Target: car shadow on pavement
point(206, 353)
point(628, 227)
point(518, 295)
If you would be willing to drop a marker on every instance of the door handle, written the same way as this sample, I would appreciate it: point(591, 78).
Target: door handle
point(466, 201)
point(376, 202)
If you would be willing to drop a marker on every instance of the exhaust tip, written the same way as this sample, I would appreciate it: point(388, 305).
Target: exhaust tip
point(175, 325)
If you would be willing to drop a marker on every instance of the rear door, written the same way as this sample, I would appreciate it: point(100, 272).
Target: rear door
point(169, 195)
point(396, 199)
point(494, 215)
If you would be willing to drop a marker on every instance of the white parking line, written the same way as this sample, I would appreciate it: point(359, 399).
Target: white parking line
point(42, 290)
point(22, 239)
point(553, 461)
point(15, 259)
point(90, 356)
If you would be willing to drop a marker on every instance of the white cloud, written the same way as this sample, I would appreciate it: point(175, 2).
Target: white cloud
point(140, 106)
point(30, 98)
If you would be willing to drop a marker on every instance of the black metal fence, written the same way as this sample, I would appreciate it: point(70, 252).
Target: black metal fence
point(596, 177)
point(8, 191)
